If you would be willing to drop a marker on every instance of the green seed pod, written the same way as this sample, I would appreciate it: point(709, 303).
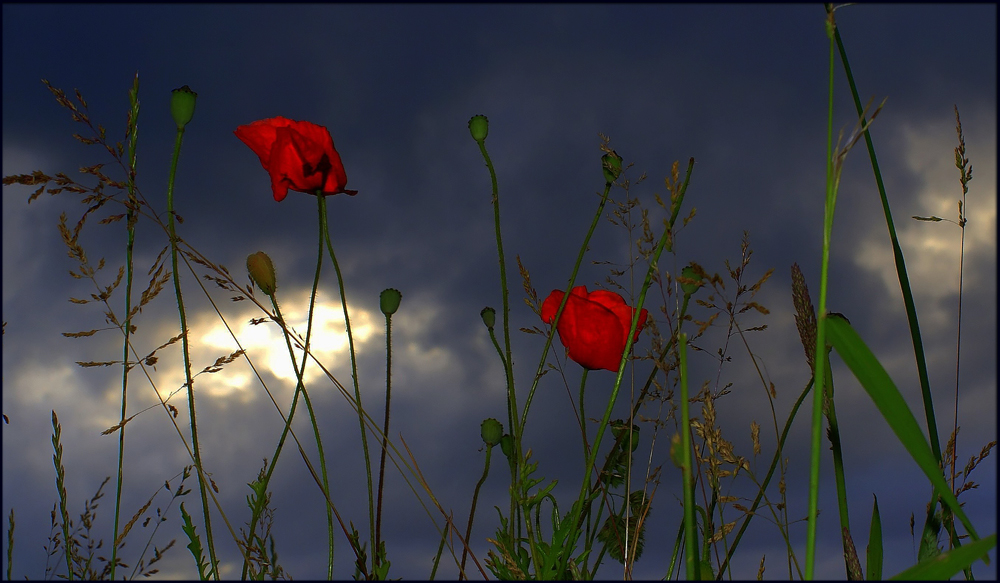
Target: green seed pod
point(388, 301)
point(691, 287)
point(612, 164)
point(491, 431)
point(479, 126)
point(489, 316)
point(507, 446)
point(261, 272)
point(182, 105)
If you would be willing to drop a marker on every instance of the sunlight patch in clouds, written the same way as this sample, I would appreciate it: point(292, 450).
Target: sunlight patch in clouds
point(933, 249)
point(265, 343)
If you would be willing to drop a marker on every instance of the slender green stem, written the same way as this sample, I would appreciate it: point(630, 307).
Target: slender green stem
point(130, 219)
point(472, 512)
point(385, 430)
point(516, 428)
point(354, 369)
point(583, 415)
point(819, 373)
point(189, 381)
point(691, 562)
point(838, 463)
point(299, 387)
point(437, 556)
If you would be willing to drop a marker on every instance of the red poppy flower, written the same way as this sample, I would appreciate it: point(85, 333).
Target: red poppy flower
point(594, 326)
point(298, 155)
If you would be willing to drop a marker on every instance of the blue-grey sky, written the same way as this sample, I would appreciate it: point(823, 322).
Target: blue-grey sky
point(742, 89)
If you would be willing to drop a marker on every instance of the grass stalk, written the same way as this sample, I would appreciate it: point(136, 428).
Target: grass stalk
point(57, 461)
point(130, 220)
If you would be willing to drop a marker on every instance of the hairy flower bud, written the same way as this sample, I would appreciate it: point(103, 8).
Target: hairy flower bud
point(489, 316)
point(261, 272)
point(479, 126)
point(612, 164)
point(691, 286)
point(182, 105)
point(388, 301)
point(491, 431)
point(507, 446)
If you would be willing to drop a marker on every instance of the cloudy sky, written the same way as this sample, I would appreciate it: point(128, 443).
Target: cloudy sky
point(740, 89)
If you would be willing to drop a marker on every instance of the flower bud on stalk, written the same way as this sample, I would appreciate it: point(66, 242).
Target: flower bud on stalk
point(182, 103)
point(491, 431)
point(261, 272)
point(612, 164)
point(691, 287)
point(479, 126)
point(489, 316)
point(389, 301)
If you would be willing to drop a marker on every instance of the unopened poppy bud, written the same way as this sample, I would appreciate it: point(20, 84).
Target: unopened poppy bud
point(182, 105)
point(507, 445)
point(690, 287)
point(479, 126)
point(489, 316)
point(612, 164)
point(491, 431)
point(388, 301)
point(261, 272)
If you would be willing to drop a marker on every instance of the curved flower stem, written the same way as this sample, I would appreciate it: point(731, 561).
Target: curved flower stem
point(385, 432)
point(516, 427)
point(583, 414)
point(189, 381)
point(299, 388)
point(472, 512)
point(325, 229)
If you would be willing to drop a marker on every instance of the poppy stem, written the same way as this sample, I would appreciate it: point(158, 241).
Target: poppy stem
point(299, 388)
point(385, 432)
point(325, 227)
point(516, 427)
point(185, 348)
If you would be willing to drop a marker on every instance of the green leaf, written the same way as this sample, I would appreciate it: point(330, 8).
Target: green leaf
point(943, 566)
point(874, 553)
point(883, 392)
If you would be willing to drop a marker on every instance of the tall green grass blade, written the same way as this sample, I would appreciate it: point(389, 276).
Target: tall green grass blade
point(945, 565)
point(873, 565)
point(928, 545)
point(883, 392)
point(897, 253)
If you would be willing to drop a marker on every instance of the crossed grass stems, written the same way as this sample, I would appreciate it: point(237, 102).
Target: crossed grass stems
point(713, 469)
